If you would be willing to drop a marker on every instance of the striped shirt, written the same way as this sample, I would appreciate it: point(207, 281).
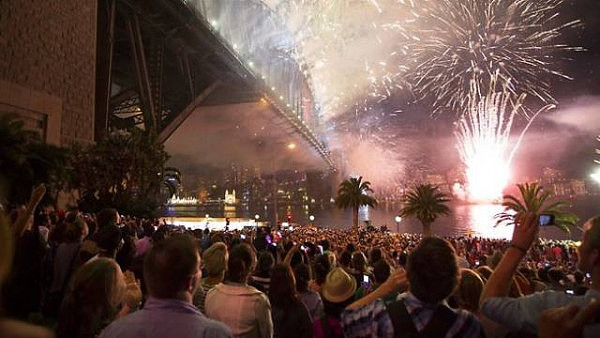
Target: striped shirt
point(373, 320)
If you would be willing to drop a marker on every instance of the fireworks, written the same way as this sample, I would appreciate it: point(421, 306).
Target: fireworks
point(447, 50)
point(459, 41)
point(433, 48)
point(597, 151)
point(350, 50)
point(483, 134)
point(596, 174)
point(460, 45)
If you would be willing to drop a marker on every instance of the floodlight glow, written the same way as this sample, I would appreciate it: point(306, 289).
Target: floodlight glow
point(596, 175)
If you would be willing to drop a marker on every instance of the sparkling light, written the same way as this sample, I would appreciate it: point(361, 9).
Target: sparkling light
point(487, 174)
point(483, 138)
point(459, 41)
point(596, 175)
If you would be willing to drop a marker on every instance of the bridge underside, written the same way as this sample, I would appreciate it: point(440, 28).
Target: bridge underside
point(157, 64)
point(247, 134)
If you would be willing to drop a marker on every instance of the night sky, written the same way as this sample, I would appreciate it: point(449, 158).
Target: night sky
point(564, 138)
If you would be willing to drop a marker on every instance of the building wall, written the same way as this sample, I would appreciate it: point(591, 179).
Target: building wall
point(47, 64)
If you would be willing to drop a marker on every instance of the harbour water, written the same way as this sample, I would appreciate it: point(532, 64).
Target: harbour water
point(465, 219)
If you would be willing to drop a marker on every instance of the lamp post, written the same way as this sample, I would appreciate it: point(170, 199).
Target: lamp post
point(312, 219)
point(256, 218)
point(398, 219)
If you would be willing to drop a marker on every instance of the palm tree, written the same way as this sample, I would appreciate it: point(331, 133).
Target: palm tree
point(353, 193)
point(533, 200)
point(426, 202)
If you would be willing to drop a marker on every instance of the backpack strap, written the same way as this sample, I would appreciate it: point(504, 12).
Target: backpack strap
point(401, 320)
point(442, 320)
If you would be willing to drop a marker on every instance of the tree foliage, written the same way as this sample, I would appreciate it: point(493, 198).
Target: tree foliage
point(534, 199)
point(426, 203)
point(352, 193)
point(123, 171)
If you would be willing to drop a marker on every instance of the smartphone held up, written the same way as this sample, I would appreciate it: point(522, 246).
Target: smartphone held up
point(546, 220)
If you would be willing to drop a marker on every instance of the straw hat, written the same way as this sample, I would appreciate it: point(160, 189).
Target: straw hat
point(339, 286)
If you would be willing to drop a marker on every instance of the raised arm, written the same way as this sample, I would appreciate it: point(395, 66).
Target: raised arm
point(288, 258)
point(396, 281)
point(525, 232)
point(20, 224)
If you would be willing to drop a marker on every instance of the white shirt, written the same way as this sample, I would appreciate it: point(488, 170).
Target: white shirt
point(523, 314)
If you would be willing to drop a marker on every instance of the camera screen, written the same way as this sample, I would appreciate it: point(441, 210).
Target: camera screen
point(545, 220)
point(365, 279)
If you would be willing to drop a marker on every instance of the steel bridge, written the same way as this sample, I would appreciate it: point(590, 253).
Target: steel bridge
point(159, 60)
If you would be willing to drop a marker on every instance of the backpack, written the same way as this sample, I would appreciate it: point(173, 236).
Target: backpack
point(331, 327)
point(442, 320)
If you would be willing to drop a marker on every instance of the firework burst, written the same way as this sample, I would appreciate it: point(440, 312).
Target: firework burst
point(350, 49)
point(483, 134)
point(460, 41)
point(596, 174)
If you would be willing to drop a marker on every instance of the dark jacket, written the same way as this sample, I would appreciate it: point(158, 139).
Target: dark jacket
point(292, 320)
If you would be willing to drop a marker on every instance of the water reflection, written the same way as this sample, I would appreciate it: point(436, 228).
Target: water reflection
point(478, 220)
point(465, 219)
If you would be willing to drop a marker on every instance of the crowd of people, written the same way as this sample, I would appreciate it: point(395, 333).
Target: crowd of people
point(72, 274)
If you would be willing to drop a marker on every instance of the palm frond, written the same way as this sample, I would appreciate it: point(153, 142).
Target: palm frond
point(353, 193)
point(511, 202)
point(533, 198)
point(426, 203)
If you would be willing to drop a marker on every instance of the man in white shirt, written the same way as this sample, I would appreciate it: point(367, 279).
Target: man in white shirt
point(523, 314)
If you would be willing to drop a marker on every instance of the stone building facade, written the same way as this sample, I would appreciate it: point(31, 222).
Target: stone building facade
point(47, 66)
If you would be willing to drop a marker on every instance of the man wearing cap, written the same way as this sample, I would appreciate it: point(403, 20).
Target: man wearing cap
point(432, 275)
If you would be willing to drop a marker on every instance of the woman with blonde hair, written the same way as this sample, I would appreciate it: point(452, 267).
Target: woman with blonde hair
point(243, 308)
point(468, 291)
point(214, 261)
point(467, 295)
point(92, 299)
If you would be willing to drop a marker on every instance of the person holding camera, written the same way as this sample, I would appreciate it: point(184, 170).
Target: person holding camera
point(522, 315)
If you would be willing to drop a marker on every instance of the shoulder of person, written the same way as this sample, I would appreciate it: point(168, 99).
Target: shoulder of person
point(217, 329)
point(466, 314)
point(263, 298)
point(14, 328)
